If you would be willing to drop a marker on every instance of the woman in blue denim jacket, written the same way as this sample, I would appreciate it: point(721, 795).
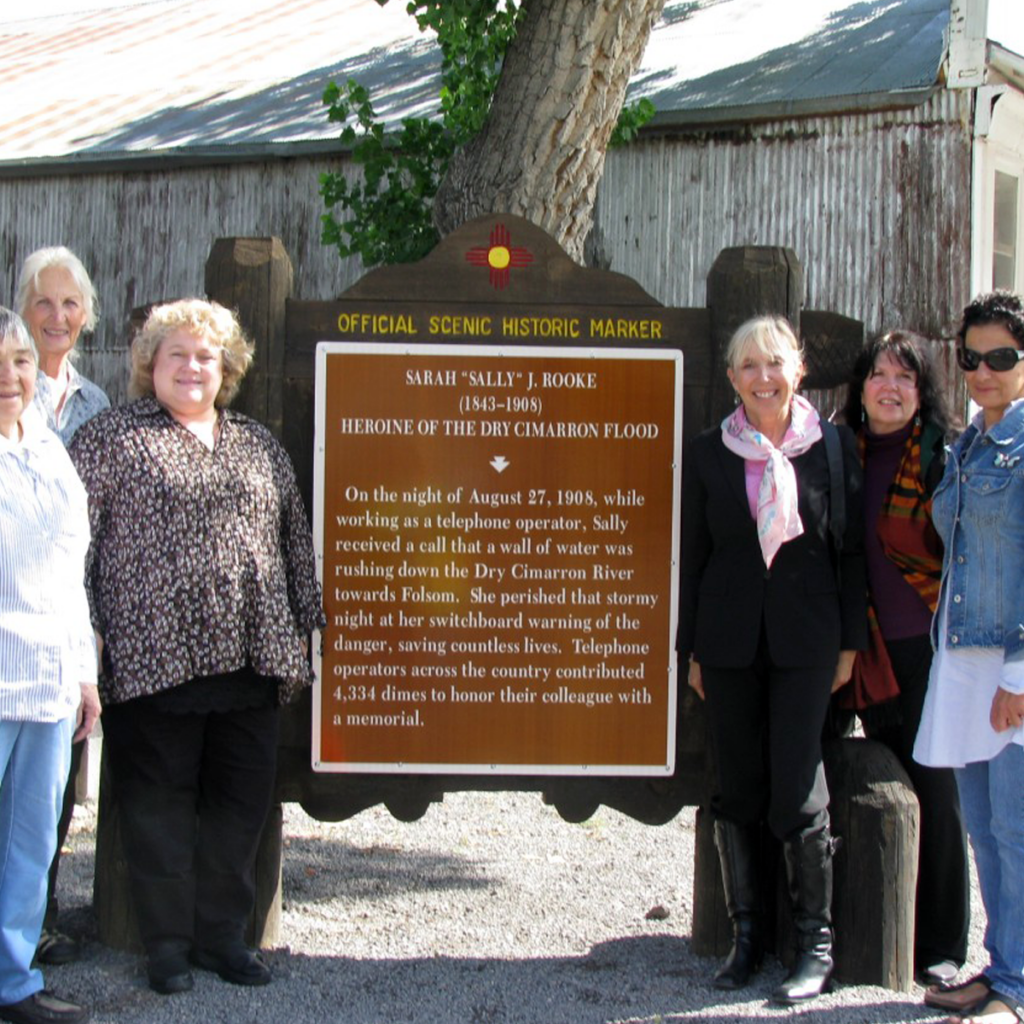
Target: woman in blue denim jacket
point(974, 709)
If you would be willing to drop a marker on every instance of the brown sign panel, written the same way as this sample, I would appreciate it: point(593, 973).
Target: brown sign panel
point(497, 530)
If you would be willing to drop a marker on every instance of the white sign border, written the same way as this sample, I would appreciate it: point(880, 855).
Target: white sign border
point(326, 348)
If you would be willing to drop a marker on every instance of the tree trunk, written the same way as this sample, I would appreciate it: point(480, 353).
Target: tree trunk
point(541, 151)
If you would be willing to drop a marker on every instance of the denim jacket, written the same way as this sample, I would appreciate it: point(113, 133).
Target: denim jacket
point(978, 510)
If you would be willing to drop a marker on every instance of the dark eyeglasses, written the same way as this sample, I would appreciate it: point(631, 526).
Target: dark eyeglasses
point(998, 359)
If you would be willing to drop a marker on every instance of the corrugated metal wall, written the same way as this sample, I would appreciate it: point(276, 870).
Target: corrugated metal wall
point(144, 237)
point(876, 206)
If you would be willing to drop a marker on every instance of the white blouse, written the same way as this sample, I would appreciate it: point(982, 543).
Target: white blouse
point(955, 728)
point(47, 648)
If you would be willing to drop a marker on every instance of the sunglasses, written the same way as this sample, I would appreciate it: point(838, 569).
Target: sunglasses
point(998, 360)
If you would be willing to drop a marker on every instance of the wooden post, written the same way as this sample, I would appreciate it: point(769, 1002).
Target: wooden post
point(253, 276)
point(876, 816)
point(712, 931)
point(743, 282)
point(264, 928)
point(115, 914)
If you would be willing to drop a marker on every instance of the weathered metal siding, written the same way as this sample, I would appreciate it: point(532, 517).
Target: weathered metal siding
point(876, 206)
point(145, 237)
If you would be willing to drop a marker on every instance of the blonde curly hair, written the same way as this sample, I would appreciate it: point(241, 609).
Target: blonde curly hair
point(209, 320)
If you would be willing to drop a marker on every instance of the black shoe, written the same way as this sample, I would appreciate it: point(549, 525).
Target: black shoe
point(240, 965)
point(808, 856)
point(942, 972)
point(56, 948)
point(171, 984)
point(44, 1008)
point(738, 854)
point(811, 974)
point(169, 975)
point(744, 959)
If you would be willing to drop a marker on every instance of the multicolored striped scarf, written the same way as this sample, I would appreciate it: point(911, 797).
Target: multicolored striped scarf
point(909, 540)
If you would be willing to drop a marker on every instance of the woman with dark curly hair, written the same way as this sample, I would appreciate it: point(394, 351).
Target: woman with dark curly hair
point(202, 584)
point(973, 718)
point(897, 408)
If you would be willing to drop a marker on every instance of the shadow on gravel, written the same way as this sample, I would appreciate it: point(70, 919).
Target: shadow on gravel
point(635, 980)
point(320, 869)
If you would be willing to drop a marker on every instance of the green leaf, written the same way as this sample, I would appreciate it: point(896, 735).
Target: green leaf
point(632, 118)
point(386, 217)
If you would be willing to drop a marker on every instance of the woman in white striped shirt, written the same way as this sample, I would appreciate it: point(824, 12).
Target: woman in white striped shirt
point(47, 666)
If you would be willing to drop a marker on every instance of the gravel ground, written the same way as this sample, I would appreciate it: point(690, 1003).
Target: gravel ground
point(489, 910)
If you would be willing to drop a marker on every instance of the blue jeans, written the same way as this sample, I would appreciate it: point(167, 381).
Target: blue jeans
point(992, 799)
point(34, 759)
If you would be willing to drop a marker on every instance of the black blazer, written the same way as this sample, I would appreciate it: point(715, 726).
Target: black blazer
point(726, 590)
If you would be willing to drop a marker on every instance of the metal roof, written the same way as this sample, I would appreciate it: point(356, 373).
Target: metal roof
point(805, 56)
point(220, 75)
point(182, 73)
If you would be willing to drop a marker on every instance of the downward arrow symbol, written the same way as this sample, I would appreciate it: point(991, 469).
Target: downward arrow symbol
point(500, 463)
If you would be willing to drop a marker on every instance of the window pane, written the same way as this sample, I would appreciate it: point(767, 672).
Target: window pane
point(1004, 254)
point(1002, 272)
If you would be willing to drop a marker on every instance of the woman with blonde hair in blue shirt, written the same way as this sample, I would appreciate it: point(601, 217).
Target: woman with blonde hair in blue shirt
point(47, 667)
point(57, 301)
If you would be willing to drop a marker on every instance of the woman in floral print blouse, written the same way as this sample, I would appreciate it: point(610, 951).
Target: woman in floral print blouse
point(202, 585)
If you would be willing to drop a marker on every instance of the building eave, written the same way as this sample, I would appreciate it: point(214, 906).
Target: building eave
point(728, 117)
point(178, 158)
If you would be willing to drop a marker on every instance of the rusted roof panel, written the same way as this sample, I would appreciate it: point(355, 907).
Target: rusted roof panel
point(875, 206)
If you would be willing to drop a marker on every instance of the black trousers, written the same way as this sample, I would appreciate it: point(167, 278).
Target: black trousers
point(943, 881)
point(194, 791)
point(766, 724)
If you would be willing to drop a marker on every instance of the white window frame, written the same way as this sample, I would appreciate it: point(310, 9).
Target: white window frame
point(998, 146)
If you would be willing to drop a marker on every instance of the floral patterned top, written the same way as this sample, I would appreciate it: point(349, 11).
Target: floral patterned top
point(201, 561)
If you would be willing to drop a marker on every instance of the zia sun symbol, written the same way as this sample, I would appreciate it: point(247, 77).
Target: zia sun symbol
point(500, 256)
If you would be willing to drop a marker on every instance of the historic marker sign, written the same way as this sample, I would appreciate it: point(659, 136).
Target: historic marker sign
point(498, 536)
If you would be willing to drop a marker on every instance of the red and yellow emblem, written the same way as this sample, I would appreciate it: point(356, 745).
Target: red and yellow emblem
point(500, 256)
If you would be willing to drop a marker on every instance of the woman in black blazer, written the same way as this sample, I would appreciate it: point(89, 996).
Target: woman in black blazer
point(771, 617)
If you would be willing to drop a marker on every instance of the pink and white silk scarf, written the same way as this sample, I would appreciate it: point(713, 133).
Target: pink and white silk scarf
point(778, 514)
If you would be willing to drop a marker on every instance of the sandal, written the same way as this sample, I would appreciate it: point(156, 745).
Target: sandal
point(956, 997)
point(997, 1005)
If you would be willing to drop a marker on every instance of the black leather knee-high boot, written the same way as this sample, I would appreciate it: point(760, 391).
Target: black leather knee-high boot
point(738, 849)
point(808, 856)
